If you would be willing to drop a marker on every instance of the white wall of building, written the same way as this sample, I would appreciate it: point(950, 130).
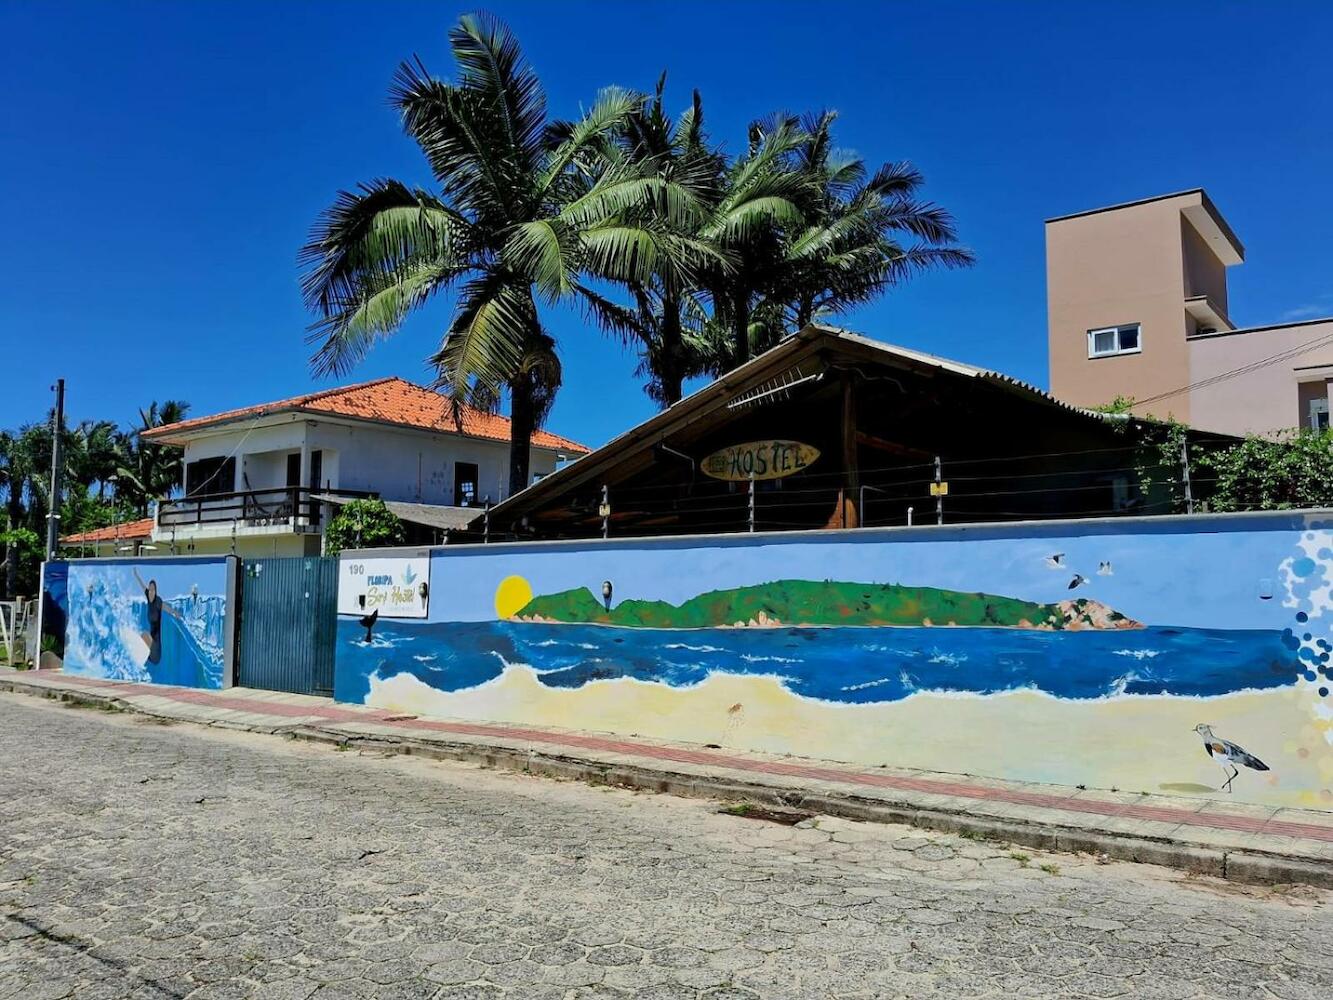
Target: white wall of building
point(398, 463)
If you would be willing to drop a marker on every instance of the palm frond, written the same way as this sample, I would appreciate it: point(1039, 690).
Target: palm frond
point(612, 108)
point(488, 336)
point(491, 64)
point(372, 233)
point(373, 310)
point(545, 252)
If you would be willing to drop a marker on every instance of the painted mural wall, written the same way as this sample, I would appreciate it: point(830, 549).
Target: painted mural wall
point(1185, 656)
point(162, 621)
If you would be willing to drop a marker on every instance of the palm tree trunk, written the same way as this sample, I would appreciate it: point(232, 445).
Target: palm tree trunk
point(740, 320)
point(671, 376)
point(805, 312)
point(522, 423)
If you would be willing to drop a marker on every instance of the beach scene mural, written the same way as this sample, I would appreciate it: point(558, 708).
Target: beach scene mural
point(1166, 658)
point(155, 620)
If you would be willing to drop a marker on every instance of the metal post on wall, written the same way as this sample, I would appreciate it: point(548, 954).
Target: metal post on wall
point(1185, 472)
point(58, 432)
point(751, 517)
point(486, 523)
point(939, 493)
point(909, 516)
point(604, 509)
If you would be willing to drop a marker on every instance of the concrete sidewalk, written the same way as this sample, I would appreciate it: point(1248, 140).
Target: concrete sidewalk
point(1233, 840)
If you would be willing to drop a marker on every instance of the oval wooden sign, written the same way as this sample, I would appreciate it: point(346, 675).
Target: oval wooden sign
point(759, 460)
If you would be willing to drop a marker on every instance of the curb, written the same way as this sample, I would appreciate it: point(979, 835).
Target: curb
point(1250, 867)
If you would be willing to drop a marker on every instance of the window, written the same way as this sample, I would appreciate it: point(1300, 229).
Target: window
point(1114, 340)
point(1318, 413)
point(210, 475)
point(465, 484)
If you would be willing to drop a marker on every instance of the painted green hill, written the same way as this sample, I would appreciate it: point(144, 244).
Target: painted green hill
point(829, 602)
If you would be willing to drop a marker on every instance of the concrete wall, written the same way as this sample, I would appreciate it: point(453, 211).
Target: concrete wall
point(98, 609)
point(1111, 268)
point(1267, 399)
point(1077, 653)
point(1205, 274)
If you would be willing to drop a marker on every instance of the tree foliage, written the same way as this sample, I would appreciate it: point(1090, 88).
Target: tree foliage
point(110, 474)
point(693, 258)
point(1292, 470)
point(362, 524)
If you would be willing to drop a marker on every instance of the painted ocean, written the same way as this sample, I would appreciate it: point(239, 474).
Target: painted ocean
point(842, 665)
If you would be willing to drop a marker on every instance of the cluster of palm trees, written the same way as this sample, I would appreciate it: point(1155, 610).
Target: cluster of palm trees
point(108, 474)
point(696, 259)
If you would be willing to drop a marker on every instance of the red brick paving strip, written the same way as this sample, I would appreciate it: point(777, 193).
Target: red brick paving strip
point(933, 786)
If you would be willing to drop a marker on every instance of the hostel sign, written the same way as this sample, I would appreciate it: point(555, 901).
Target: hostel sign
point(395, 586)
point(759, 460)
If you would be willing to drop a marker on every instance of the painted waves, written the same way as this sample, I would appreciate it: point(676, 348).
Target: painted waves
point(103, 637)
point(848, 665)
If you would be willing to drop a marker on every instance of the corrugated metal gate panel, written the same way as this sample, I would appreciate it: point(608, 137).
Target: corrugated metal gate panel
point(289, 620)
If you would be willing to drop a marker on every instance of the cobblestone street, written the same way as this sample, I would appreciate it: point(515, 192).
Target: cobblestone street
point(156, 861)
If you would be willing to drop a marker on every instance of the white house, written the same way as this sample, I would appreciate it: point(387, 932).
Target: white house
point(263, 480)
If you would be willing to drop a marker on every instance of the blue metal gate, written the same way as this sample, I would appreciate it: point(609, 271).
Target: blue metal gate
point(289, 620)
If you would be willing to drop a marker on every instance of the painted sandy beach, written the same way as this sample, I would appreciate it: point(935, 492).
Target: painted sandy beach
point(1133, 743)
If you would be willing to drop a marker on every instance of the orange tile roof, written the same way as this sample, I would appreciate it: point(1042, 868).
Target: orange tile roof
point(128, 531)
point(386, 400)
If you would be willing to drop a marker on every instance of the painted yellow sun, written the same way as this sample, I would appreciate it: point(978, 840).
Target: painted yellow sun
point(511, 596)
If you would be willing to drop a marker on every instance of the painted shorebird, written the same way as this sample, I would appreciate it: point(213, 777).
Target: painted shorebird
point(1230, 756)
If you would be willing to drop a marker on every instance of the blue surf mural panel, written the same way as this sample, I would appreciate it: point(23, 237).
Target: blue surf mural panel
point(163, 621)
point(1114, 654)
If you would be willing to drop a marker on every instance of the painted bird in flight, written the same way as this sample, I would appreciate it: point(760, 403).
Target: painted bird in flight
point(1104, 569)
point(1056, 560)
point(1078, 581)
point(367, 622)
point(1229, 756)
point(607, 590)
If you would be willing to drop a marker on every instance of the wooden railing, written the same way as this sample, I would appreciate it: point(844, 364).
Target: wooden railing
point(290, 505)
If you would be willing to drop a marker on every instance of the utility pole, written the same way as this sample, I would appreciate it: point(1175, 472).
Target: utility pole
point(1185, 472)
point(604, 509)
point(939, 493)
point(752, 502)
point(53, 517)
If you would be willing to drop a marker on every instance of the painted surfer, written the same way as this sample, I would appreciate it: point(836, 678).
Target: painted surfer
point(153, 637)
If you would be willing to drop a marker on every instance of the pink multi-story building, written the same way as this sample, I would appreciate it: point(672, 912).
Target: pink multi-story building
point(1137, 307)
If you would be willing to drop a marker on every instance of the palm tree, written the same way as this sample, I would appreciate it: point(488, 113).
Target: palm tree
point(518, 218)
point(25, 459)
point(150, 471)
point(849, 249)
point(730, 215)
point(765, 196)
point(97, 453)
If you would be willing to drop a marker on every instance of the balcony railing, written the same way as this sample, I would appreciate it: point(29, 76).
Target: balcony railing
point(293, 506)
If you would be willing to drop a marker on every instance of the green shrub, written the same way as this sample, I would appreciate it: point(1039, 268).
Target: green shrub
point(363, 524)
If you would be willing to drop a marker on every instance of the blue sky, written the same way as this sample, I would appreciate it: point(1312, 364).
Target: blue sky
point(163, 163)
point(1192, 579)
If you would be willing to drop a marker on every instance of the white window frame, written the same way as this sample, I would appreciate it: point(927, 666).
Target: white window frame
point(1317, 406)
point(1117, 331)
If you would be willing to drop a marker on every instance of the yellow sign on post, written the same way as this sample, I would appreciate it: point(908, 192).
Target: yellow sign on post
point(740, 463)
point(939, 489)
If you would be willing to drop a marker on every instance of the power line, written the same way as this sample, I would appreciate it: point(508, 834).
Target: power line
point(1242, 370)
